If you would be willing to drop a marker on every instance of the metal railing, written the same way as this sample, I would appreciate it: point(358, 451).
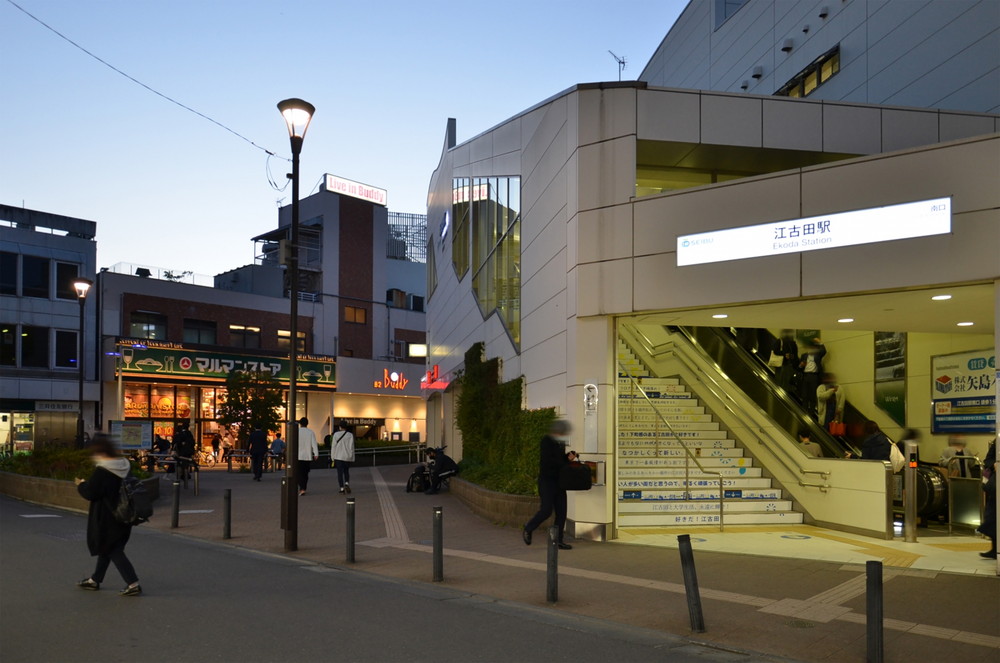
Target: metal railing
point(689, 455)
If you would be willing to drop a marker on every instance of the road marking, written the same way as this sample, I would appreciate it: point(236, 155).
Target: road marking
point(395, 529)
point(39, 515)
point(846, 591)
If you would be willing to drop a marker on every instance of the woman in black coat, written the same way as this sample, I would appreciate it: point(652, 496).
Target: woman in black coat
point(876, 445)
point(989, 524)
point(106, 537)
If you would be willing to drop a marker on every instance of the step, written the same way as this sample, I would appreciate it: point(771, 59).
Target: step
point(705, 506)
point(699, 494)
point(650, 382)
point(658, 389)
point(642, 407)
point(636, 432)
point(650, 415)
point(658, 398)
point(707, 463)
point(639, 422)
point(680, 452)
point(671, 443)
point(659, 483)
point(749, 518)
point(637, 473)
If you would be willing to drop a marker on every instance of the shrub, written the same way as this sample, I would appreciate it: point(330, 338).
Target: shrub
point(57, 463)
point(499, 438)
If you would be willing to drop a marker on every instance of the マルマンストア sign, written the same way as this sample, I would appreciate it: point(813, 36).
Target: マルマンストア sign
point(868, 226)
point(142, 357)
point(354, 189)
point(963, 392)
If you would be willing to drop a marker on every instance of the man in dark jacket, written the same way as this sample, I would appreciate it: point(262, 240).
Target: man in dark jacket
point(552, 458)
point(989, 524)
point(443, 466)
point(811, 365)
point(257, 446)
point(184, 450)
point(876, 445)
point(789, 351)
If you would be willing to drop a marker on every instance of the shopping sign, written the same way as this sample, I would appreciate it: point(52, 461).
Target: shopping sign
point(963, 392)
point(866, 226)
point(140, 357)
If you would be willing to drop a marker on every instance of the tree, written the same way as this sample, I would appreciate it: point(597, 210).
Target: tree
point(253, 399)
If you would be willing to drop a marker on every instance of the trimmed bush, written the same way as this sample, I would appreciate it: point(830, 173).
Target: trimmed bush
point(57, 463)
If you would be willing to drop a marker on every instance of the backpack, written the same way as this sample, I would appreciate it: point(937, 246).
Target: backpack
point(134, 506)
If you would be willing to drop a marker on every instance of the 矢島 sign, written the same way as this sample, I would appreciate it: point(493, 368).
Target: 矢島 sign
point(354, 189)
point(963, 392)
point(867, 226)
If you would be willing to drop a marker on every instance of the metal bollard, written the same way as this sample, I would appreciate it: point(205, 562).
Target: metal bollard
point(438, 545)
point(910, 494)
point(691, 584)
point(197, 481)
point(227, 514)
point(350, 531)
point(284, 502)
point(874, 611)
point(552, 566)
point(175, 514)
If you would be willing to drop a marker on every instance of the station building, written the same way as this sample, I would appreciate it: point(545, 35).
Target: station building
point(653, 242)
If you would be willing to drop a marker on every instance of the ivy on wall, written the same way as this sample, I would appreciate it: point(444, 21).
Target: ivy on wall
point(499, 438)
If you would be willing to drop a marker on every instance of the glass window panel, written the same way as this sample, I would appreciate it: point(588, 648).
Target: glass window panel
point(8, 345)
point(34, 347)
point(148, 325)
point(136, 401)
point(35, 277)
point(200, 331)
point(8, 273)
point(66, 347)
point(182, 402)
point(66, 274)
point(208, 403)
point(811, 81)
point(161, 402)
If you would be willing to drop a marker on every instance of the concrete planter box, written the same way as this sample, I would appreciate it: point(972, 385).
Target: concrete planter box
point(499, 508)
point(55, 492)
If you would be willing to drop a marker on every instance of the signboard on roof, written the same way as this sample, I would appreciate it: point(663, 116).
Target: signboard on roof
point(346, 187)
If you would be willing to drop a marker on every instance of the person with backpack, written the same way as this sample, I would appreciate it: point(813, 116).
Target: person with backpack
point(184, 450)
point(343, 455)
point(106, 534)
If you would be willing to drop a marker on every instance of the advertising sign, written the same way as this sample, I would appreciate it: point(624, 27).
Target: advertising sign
point(963, 392)
point(867, 226)
point(890, 374)
point(144, 358)
point(354, 189)
point(133, 434)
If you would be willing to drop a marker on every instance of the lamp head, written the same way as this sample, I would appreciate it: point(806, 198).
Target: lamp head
point(82, 287)
point(297, 114)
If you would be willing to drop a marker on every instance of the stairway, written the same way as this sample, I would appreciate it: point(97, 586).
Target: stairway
point(651, 478)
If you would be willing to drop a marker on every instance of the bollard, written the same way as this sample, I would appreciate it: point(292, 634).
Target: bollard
point(227, 514)
point(350, 531)
point(691, 584)
point(197, 480)
point(175, 515)
point(438, 545)
point(910, 494)
point(874, 612)
point(552, 567)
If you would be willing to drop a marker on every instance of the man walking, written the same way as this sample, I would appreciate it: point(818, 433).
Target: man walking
point(257, 446)
point(308, 452)
point(552, 458)
point(343, 455)
point(278, 451)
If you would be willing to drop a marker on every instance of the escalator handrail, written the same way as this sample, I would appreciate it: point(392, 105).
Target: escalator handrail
point(748, 423)
point(690, 455)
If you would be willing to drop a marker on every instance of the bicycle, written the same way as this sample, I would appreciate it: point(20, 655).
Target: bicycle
point(207, 459)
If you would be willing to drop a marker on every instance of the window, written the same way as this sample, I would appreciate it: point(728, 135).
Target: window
point(8, 273)
point(726, 8)
point(432, 277)
point(66, 275)
point(285, 338)
point(242, 336)
point(66, 347)
point(199, 331)
point(34, 346)
point(8, 345)
point(460, 208)
point(34, 277)
point(356, 314)
point(818, 72)
point(347, 353)
point(145, 324)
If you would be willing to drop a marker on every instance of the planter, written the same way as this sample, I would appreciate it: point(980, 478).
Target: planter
point(55, 492)
point(499, 508)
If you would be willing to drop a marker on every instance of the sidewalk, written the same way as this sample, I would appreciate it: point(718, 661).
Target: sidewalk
point(802, 609)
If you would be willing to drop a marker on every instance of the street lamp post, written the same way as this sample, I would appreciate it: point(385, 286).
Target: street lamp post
point(82, 287)
point(297, 114)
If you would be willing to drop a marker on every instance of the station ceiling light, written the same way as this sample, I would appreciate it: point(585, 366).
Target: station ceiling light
point(941, 298)
point(844, 320)
point(720, 316)
point(965, 324)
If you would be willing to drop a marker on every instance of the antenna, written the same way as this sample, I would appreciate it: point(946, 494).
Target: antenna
point(622, 63)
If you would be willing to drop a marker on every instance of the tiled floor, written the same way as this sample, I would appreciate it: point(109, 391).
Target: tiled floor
point(949, 554)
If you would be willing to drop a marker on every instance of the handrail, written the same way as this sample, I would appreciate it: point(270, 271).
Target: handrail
point(690, 456)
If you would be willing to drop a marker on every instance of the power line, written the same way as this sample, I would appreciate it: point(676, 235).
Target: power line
point(140, 83)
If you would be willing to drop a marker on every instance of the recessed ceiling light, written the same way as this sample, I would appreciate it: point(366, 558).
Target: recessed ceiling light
point(720, 316)
point(846, 320)
point(941, 298)
point(966, 324)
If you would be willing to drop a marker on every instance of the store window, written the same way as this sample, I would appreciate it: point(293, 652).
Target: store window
point(8, 273)
point(285, 340)
point(244, 336)
point(66, 347)
point(818, 72)
point(145, 324)
point(199, 331)
point(161, 402)
point(136, 401)
point(34, 347)
point(356, 315)
point(66, 275)
point(492, 207)
point(34, 277)
point(8, 345)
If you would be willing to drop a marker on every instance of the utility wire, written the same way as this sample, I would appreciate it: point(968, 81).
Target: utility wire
point(140, 83)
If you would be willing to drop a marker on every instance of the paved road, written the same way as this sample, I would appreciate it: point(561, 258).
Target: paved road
point(209, 602)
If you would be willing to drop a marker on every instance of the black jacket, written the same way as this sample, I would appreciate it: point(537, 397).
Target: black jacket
point(876, 447)
point(184, 444)
point(789, 351)
point(552, 458)
point(444, 463)
point(104, 533)
point(257, 444)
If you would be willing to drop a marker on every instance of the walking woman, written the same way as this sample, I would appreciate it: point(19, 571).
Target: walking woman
point(343, 456)
point(106, 537)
